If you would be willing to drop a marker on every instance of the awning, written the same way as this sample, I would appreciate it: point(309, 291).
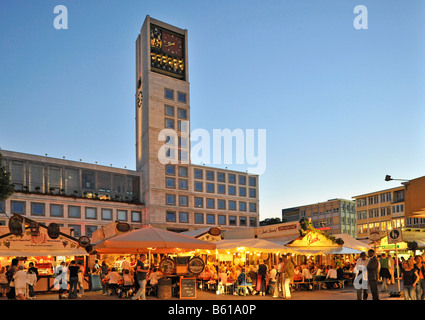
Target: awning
point(252, 245)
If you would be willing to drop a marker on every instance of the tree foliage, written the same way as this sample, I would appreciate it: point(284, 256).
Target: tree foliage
point(6, 187)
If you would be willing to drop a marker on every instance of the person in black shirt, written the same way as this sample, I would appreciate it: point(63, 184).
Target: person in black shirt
point(73, 279)
point(32, 270)
point(141, 270)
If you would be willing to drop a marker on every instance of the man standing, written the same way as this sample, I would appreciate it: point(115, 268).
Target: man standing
point(360, 271)
point(372, 274)
point(288, 276)
point(141, 271)
point(420, 287)
point(73, 279)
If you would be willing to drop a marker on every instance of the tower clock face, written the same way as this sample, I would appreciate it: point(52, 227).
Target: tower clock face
point(167, 52)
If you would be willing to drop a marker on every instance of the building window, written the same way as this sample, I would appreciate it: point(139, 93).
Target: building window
point(221, 177)
point(210, 203)
point(199, 218)
point(242, 180)
point(183, 171)
point(170, 182)
point(106, 214)
point(56, 210)
point(252, 193)
point(252, 182)
point(74, 212)
point(253, 222)
point(136, 216)
point(77, 230)
point(122, 215)
point(182, 113)
point(198, 186)
point(169, 123)
point(221, 189)
point(183, 200)
point(171, 216)
point(242, 221)
point(168, 94)
point(252, 207)
point(37, 209)
point(169, 111)
point(199, 202)
point(181, 97)
point(242, 191)
point(231, 178)
point(183, 184)
point(2, 208)
point(170, 169)
point(210, 218)
point(210, 187)
point(198, 174)
point(232, 205)
point(209, 175)
point(18, 207)
point(232, 221)
point(183, 217)
point(232, 190)
point(90, 230)
point(91, 213)
point(170, 199)
point(221, 204)
point(242, 206)
point(221, 219)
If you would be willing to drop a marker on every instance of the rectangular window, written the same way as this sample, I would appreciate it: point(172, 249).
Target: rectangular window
point(169, 111)
point(2, 208)
point(198, 186)
point(210, 187)
point(210, 203)
point(88, 180)
point(210, 218)
point(183, 184)
point(199, 218)
point(232, 190)
point(232, 205)
point(242, 221)
point(170, 169)
point(106, 214)
point(183, 217)
point(181, 97)
point(252, 182)
point(36, 173)
point(221, 219)
point(168, 94)
point(136, 216)
point(37, 209)
point(18, 207)
point(91, 213)
point(183, 171)
point(76, 230)
point(221, 204)
point(252, 207)
point(170, 182)
point(242, 191)
point(242, 206)
point(221, 177)
point(252, 193)
point(74, 212)
point(183, 200)
point(182, 113)
point(170, 199)
point(90, 230)
point(232, 221)
point(209, 175)
point(169, 123)
point(242, 180)
point(171, 216)
point(56, 210)
point(221, 189)
point(55, 178)
point(231, 178)
point(253, 222)
point(198, 174)
point(122, 215)
point(199, 202)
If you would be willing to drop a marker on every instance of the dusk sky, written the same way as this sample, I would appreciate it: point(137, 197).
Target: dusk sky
point(342, 107)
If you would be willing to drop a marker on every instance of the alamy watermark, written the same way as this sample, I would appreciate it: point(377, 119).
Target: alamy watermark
point(223, 146)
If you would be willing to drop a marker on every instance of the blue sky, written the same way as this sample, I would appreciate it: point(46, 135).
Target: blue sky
point(341, 107)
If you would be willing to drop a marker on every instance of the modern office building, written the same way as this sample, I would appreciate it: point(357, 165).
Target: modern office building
point(380, 210)
point(165, 190)
point(333, 216)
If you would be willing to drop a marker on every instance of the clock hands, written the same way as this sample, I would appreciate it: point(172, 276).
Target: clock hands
point(170, 44)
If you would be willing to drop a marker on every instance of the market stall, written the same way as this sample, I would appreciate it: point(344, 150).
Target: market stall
point(38, 244)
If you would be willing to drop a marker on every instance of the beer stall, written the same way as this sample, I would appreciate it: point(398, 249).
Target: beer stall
point(177, 256)
point(46, 246)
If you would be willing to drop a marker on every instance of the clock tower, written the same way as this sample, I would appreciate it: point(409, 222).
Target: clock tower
point(162, 109)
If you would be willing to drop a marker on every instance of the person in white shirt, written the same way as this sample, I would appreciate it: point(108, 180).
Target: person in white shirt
point(20, 283)
point(360, 271)
point(113, 280)
point(307, 276)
